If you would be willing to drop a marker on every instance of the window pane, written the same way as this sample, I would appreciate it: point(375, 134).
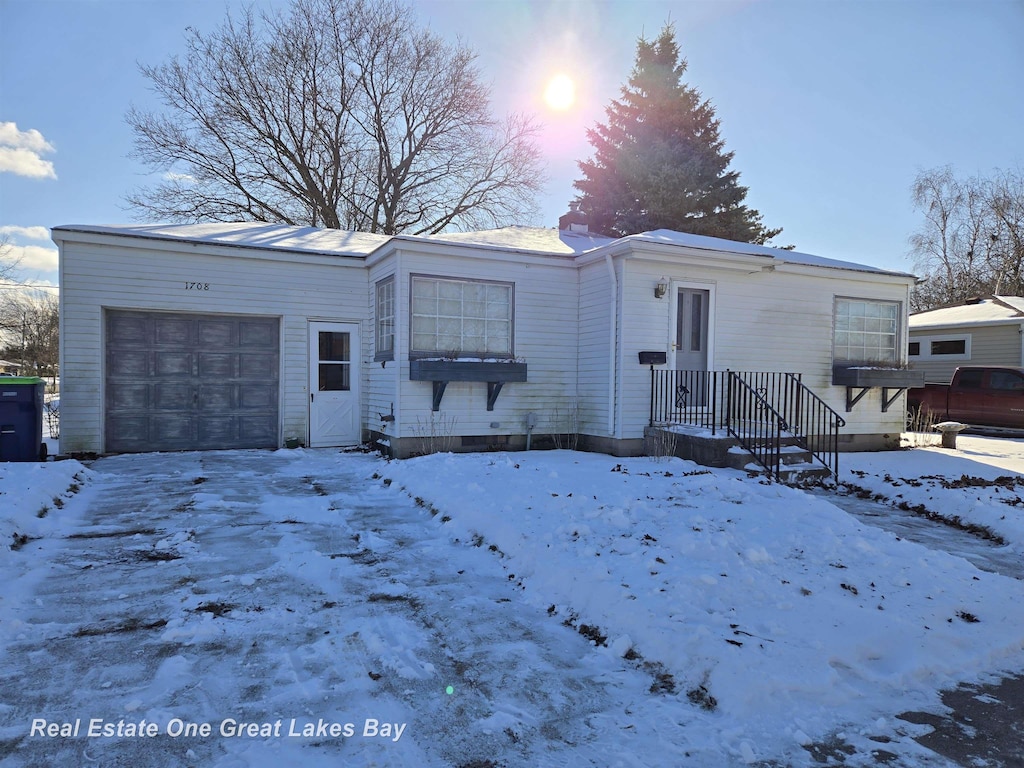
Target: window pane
point(421, 325)
point(914, 349)
point(466, 317)
point(970, 379)
point(334, 377)
point(334, 346)
point(424, 305)
point(1005, 380)
point(386, 316)
point(950, 347)
point(696, 322)
point(424, 288)
point(446, 289)
point(449, 307)
point(865, 331)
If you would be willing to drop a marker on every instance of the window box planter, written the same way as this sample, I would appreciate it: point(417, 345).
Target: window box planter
point(466, 370)
point(890, 378)
point(863, 378)
point(495, 372)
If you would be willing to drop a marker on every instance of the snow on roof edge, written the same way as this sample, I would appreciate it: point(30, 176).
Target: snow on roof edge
point(275, 237)
point(705, 242)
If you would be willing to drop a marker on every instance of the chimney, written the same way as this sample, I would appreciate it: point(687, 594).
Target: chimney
point(574, 221)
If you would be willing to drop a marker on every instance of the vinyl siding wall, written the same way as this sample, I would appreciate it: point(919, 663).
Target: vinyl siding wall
point(990, 345)
point(762, 321)
point(595, 313)
point(544, 336)
point(296, 287)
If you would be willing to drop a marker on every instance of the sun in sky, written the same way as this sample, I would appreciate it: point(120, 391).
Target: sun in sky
point(560, 93)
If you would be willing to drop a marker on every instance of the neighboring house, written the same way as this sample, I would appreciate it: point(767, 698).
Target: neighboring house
point(8, 367)
point(981, 331)
point(257, 335)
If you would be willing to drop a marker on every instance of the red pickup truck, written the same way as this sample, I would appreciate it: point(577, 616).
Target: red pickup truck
point(983, 395)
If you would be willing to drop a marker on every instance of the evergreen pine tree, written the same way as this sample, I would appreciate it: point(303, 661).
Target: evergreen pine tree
point(659, 162)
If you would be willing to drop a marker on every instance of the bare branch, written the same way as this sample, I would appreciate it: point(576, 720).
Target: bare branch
point(337, 113)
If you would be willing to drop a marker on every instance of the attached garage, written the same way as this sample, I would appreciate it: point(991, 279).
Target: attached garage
point(182, 381)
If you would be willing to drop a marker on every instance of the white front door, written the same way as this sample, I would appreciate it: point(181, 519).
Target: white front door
point(333, 384)
point(691, 342)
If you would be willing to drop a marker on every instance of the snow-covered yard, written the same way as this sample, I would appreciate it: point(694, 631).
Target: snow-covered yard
point(541, 608)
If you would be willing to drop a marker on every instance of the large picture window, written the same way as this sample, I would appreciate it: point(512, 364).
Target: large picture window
point(461, 317)
point(385, 349)
point(866, 331)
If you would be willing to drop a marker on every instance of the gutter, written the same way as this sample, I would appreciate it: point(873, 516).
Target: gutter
point(613, 320)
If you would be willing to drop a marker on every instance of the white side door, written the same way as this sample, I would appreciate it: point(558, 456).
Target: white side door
point(333, 384)
point(691, 337)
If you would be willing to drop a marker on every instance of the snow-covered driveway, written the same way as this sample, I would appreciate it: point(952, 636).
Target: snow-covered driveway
point(292, 591)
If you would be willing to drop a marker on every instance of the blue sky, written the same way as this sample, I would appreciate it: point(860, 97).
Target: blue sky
point(831, 106)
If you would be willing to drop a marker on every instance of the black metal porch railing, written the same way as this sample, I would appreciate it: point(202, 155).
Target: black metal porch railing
point(752, 420)
point(705, 399)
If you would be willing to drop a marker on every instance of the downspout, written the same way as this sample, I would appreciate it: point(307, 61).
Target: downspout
point(612, 326)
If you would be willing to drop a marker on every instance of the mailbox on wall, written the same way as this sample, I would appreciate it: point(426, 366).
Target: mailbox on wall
point(653, 358)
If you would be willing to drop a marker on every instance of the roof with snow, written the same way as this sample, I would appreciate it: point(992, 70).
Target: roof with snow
point(528, 239)
point(538, 240)
point(992, 310)
point(703, 242)
point(334, 242)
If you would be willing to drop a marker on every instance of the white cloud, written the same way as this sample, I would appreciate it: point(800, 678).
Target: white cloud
point(32, 257)
point(21, 152)
point(181, 178)
point(28, 233)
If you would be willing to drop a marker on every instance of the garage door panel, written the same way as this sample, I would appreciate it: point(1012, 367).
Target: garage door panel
point(128, 363)
point(256, 428)
point(176, 364)
point(172, 331)
point(221, 365)
point(256, 396)
point(178, 381)
point(126, 328)
point(218, 397)
point(258, 334)
point(173, 431)
point(257, 366)
point(127, 433)
point(128, 395)
point(218, 431)
point(215, 334)
point(171, 396)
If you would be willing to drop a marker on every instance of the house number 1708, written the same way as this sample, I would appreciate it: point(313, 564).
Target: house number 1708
point(197, 286)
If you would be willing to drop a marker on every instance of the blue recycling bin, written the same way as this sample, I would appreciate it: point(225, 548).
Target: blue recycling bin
point(21, 418)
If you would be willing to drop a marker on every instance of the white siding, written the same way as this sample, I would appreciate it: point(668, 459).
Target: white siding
point(595, 318)
point(545, 334)
point(763, 321)
point(95, 276)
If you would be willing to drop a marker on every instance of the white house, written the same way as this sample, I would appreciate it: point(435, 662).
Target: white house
point(258, 335)
point(980, 331)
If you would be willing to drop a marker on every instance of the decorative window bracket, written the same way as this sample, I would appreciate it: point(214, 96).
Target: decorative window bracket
point(859, 380)
point(440, 372)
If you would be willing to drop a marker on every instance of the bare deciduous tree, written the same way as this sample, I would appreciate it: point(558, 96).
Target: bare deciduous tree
point(29, 331)
point(972, 240)
point(338, 114)
point(8, 262)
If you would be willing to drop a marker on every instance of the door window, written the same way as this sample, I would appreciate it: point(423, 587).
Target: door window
point(335, 361)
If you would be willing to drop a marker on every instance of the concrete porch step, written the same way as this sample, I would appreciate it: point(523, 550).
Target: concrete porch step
point(799, 467)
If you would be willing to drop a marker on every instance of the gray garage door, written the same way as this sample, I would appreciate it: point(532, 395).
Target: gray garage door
point(177, 381)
